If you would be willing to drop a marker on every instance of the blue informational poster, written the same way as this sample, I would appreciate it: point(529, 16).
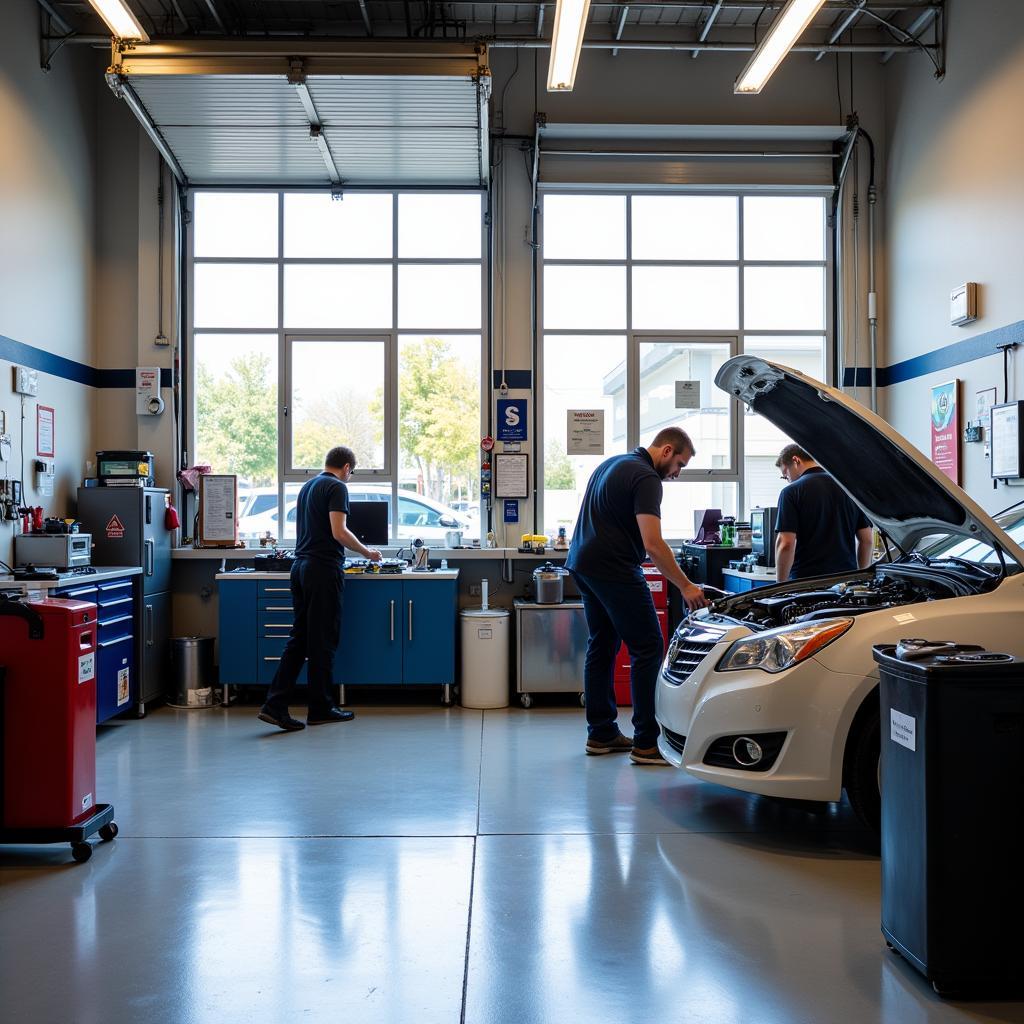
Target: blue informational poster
point(511, 419)
point(511, 510)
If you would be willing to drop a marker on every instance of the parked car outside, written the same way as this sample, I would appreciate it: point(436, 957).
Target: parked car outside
point(418, 515)
point(775, 690)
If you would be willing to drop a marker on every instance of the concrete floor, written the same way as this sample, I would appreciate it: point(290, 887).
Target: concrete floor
point(428, 865)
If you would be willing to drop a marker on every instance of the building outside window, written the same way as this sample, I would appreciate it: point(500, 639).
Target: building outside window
point(641, 292)
point(359, 321)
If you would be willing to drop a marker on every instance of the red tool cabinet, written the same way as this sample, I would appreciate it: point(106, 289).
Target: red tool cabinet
point(658, 586)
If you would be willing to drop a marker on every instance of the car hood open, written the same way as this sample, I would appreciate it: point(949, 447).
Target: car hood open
point(901, 491)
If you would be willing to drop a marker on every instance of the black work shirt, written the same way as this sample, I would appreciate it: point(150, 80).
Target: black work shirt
point(318, 498)
point(606, 542)
point(825, 522)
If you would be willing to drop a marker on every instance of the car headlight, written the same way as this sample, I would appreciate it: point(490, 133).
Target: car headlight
point(778, 649)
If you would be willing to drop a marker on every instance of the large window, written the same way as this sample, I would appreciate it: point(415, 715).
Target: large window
point(318, 322)
point(643, 298)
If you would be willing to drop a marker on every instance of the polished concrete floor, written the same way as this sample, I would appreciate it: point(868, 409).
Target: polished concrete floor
point(426, 865)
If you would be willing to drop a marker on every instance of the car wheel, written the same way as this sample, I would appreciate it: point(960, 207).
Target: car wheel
point(862, 753)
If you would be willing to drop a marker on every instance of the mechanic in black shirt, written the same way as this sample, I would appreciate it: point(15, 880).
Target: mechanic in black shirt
point(317, 584)
point(818, 528)
point(619, 521)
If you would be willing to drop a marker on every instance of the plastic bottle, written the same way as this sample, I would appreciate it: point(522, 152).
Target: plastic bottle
point(444, 563)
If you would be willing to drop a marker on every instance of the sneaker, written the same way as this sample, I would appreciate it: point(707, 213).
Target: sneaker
point(284, 721)
point(617, 745)
point(647, 755)
point(332, 715)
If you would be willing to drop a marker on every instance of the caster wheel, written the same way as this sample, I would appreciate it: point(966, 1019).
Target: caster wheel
point(526, 700)
point(108, 831)
point(583, 700)
point(81, 852)
point(447, 703)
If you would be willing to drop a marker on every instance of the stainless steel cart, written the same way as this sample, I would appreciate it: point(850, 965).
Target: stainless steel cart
point(550, 646)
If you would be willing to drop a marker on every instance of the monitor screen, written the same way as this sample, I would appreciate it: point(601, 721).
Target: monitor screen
point(368, 520)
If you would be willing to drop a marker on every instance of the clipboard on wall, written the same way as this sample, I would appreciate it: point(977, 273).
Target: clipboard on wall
point(218, 510)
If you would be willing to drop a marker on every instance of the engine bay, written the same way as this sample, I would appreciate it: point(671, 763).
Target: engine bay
point(888, 585)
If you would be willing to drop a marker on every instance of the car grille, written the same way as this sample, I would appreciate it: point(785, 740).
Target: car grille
point(685, 656)
point(675, 741)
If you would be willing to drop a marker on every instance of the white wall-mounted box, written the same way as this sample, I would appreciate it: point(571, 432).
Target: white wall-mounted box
point(963, 304)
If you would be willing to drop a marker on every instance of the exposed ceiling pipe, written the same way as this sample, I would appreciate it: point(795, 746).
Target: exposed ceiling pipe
point(216, 16)
point(366, 17)
point(919, 24)
point(843, 25)
point(707, 27)
point(623, 14)
point(611, 44)
point(54, 16)
point(540, 20)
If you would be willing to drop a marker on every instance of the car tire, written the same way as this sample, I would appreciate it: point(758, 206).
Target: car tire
point(863, 750)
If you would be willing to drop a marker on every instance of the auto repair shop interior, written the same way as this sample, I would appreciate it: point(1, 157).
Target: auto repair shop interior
point(488, 246)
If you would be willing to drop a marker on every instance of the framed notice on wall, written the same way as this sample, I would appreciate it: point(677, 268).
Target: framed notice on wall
point(44, 431)
point(945, 428)
point(218, 510)
point(511, 476)
point(1007, 441)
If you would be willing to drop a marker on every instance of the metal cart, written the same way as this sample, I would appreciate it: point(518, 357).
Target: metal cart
point(550, 646)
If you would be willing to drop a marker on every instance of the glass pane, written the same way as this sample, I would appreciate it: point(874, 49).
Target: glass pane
point(580, 372)
point(685, 227)
point(783, 228)
point(236, 420)
point(686, 298)
point(235, 295)
point(784, 298)
point(762, 442)
point(337, 295)
point(288, 531)
point(444, 296)
point(358, 226)
point(438, 436)
point(235, 224)
point(584, 227)
point(662, 363)
point(331, 404)
point(682, 498)
point(439, 226)
point(584, 297)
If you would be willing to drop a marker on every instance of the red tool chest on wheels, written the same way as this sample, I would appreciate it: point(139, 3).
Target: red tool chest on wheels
point(48, 650)
point(658, 586)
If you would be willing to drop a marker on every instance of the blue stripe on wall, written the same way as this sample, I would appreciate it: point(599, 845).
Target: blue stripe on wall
point(966, 351)
point(80, 373)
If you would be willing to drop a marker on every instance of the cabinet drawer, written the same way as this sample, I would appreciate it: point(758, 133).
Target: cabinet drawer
point(276, 607)
point(114, 592)
point(78, 594)
point(271, 647)
point(274, 588)
point(115, 626)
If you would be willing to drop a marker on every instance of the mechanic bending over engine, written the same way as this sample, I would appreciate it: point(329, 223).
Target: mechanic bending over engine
point(818, 529)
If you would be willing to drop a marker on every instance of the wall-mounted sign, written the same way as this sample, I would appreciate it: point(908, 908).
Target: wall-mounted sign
point(511, 476)
point(1007, 441)
point(511, 419)
point(945, 429)
point(511, 510)
point(44, 431)
point(687, 394)
point(585, 432)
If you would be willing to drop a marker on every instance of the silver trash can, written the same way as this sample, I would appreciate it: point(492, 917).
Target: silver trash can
point(192, 672)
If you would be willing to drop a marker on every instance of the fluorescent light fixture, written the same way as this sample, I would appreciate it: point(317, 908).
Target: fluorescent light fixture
point(120, 20)
point(566, 42)
point(785, 31)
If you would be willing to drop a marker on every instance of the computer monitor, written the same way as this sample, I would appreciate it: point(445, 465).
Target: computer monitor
point(368, 520)
point(705, 525)
point(762, 535)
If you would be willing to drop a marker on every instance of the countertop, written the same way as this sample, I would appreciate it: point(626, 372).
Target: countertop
point(103, 572)
point(409, 574)
point(436, 554)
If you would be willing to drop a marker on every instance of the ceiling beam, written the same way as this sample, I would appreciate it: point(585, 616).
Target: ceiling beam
point(712, 17)
point(843, 25)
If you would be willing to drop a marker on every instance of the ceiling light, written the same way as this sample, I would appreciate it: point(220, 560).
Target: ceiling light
point(566, 42)
point(120, 20)
point(785, 31)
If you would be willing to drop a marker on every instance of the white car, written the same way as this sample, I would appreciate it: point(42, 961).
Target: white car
point(418, 515)
point(775, 691)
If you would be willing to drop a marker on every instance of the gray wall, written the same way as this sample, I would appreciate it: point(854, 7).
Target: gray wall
point(47, 238)
point(954, 195)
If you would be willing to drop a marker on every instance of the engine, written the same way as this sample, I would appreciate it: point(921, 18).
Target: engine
point(847, 598)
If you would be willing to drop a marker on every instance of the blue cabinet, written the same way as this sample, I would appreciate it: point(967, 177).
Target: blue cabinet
point(393, 631)
point(116, 618)
point(741, 584)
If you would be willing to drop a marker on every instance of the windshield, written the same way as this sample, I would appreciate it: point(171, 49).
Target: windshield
point(1011, 521)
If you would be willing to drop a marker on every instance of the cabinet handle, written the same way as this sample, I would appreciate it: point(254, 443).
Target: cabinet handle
point(392, 620)
point(410, 620)
point(277, 590)
point(149, 625)
point(279, 608)
point(267, 657)
point(150, 557)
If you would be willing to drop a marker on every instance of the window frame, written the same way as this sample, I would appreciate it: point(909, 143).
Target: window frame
point(288, 475)
point(737, 422)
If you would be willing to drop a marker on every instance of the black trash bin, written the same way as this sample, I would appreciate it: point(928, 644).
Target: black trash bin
point(952, 778)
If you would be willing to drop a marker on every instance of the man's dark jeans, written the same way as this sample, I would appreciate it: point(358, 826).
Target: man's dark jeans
point(616, 613)
point(317, 591)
